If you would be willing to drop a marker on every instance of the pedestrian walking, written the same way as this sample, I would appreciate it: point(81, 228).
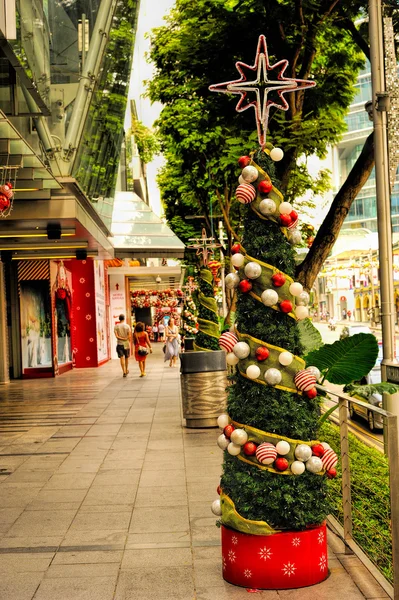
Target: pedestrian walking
point(155, 332)
point(172, 343)
point(123, 335)
point(141, 345)
point(161, 331)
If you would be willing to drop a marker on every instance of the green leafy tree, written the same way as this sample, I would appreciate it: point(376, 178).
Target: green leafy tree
point(201, 134)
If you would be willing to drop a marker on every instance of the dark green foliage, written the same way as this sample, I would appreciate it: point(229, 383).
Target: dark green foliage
point(273, 410)
point(265, 496)
point(205, 341)
point(202, 339)
point(370, 498)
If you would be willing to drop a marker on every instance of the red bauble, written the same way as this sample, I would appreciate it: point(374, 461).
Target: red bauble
point(262, 353)
point(318, 450)
point(219, 490)
point(264, 187)
point(244, 161)
point(228, 430)
point(4, 202)
point(281, 464)
point(294, 215)
point(285, 220)
point(285, 306)
point(245, 286)
point(278, 280)
point(249, 448)
point(235, 248)
point(331, 473)
point(312, 393)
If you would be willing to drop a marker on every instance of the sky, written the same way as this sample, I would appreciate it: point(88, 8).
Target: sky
point(151, 15)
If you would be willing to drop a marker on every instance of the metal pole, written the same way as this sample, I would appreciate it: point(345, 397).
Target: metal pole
point(83, 41)
point(222, 271)
point(346, 474)
point(392, 435)
point(382, 185)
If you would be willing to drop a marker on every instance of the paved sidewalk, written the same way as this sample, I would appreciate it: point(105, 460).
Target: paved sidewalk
point(105, 496)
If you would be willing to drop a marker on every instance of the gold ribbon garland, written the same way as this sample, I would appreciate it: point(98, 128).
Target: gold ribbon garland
point(231, 518)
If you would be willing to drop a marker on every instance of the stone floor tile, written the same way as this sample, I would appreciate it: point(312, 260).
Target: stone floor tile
point(82, 588)
point(99, 540)
point(167, 583)
point(87, 570)
point(47, 462)
point(78, 465)
point(156, 558)
point(119, 477)
point(70, 481)
point(120, 494)
point(231, 592)
point(162, 479)
point(170, 539)
point(46, 496)
point(43, 522)
point(161, 496)
point(87, 558)
point(24, 562)
point(17, 494)
point(22, 587)
point(165, 519)
point(94, 521)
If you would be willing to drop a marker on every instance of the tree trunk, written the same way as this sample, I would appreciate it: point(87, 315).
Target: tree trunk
point(327, 235)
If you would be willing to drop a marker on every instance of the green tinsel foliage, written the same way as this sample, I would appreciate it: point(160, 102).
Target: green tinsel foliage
point(286, 502)
point(206, 341)
point(283, 501)
point(273, 410)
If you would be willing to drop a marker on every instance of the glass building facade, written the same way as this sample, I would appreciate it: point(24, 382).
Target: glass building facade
point(363, 212)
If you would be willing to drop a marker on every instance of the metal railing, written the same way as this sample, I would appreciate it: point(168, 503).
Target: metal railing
point(366, 504)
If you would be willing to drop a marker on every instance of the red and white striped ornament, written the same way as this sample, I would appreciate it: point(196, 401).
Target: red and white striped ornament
point(329, 459)
point(6, 190)
point(266, 453)
point(245, 193)
point(305, 380)
point(227, 341)
point(293, 224)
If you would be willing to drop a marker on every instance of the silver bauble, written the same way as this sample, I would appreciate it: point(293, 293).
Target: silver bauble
point(314, 464)
point(269, 297)
point(303, 299)
point(253, 270)
point(231, 281)
point(267, 207)
point(273, 376)
point(303, 452)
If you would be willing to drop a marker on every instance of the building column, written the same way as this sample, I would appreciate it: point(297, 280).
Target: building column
point(4, 365)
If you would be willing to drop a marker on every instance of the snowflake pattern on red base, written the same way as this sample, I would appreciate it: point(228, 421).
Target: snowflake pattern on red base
point(280, 561)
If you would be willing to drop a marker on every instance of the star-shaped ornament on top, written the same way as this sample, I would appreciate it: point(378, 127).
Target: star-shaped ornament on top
point(261, 87)
point(203, 245)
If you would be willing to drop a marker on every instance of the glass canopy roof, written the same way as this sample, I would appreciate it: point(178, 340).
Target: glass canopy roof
point(140, 232)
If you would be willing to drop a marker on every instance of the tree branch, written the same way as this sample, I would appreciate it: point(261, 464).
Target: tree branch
point(327, 235)
point(225, 217)
point(349, 25)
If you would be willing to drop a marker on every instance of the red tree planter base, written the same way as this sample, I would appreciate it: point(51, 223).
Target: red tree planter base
point(275, 562)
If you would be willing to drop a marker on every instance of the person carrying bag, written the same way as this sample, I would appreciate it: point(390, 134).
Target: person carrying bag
point(141, 346)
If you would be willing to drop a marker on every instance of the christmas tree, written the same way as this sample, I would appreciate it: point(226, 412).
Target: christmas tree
point(189, 320)
point(208, 322)
point(273, 488)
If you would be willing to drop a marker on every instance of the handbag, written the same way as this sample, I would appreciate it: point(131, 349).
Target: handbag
point(142, 350)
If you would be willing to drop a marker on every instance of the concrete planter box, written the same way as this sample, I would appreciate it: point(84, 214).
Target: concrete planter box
point(203, 387)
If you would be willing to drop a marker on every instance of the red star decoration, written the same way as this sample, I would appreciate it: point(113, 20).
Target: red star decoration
point(261, 86)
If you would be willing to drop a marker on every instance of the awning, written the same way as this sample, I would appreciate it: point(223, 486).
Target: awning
point(138, 232)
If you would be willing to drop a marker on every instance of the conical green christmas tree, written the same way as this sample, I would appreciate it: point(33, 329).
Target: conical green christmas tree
point(189, 319)
point(208, 322)
point(288, 491)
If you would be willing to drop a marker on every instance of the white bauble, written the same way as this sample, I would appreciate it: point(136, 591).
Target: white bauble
point(238, 259)
point(269, 297)
point(296, 288)
point(301, 312)
point(294, 237)
point(285, 358)
point(273, 376)
point(283, 447)
point(285, 208)
point(239, 437)
point(253, 372)
point(241, 180)
point(249, 174)
point(223, 420)
point(233, 449)
point(216, 508)
point(276, 154)
point(303, 299)
point(325, 445)
point(267, 207)
point(315, 372)
point(253, 270)
point(223, 442)
point(314, 464)
point(241, 350)
point(231, 281)
point(303, 452)
point(231, 359)
point(297, 467)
